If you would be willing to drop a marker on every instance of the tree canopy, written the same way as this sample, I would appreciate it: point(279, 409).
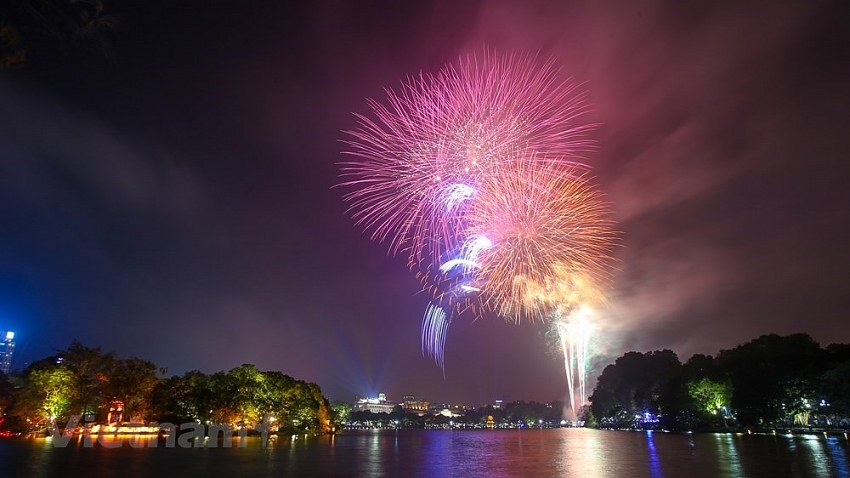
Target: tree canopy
point(767, 382)
point(89, 382)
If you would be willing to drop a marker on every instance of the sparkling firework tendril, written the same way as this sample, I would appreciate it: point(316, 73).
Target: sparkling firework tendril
point(572, 321)
point(435, 325)
point(550, 232)
point(574, 333)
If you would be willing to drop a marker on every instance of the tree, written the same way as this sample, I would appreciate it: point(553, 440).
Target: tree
point(239, 391)
point(307, 408)
point(834, 387)
point(633, 392)
point(712, 401)
point(182, 398)
point(244, 395)
point(132, 382)
point(773, 377)
point(700, 366)
point(24, 23)
point(710, 396)
point(91, 369)
point(47, 396)
point(275, 405)
point(341, 412)
point(169, 400)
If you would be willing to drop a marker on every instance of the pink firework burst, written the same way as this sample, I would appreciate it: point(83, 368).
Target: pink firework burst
point(422, 155)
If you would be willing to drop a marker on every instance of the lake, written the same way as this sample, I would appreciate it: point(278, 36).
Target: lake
point(530, 452)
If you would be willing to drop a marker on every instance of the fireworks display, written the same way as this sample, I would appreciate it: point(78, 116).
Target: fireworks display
point(442, 136)
point(475, 175)
point(549, 234)
point(574, 332)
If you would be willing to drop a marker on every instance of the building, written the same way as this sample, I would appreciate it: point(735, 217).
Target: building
point(447, 412)
point(7, 348)
point(116, 412)
point(448, 409)
point(374, 405)
point(415, 405)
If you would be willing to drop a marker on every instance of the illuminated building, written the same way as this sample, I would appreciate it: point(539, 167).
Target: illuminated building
point(413, 404)
point(116, 412)
point(374, 405)
point(7, 348)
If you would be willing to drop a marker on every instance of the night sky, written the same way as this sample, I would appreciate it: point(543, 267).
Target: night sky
point(175, 200)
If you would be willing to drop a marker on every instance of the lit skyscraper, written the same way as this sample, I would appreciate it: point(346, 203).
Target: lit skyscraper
point(7, 348)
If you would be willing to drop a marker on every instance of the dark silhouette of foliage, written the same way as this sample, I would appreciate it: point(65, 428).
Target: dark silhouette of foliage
point(27, 25)
point(636, 389)
point(771, 381)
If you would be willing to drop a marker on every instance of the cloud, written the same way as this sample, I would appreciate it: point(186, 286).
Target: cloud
point(53, 150)
point(701, 120)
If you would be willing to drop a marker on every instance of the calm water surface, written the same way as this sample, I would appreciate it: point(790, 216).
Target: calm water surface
point(491, 453)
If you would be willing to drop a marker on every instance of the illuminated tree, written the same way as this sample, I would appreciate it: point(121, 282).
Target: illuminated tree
point(341, 412)
point(307, 408)
point(246, 394)
point(274, 406)
point(47, 395)
point(709, 396)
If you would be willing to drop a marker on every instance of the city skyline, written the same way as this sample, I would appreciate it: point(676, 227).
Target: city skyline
point(174, 201)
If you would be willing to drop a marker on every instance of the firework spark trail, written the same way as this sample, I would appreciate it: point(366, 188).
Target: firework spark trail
point(574, 335)
point(568, 362)
point(435, 324)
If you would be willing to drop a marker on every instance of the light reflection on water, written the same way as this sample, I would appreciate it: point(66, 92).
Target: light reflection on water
point(654, 463)
point(491, 453)
point(838, 456)
point(727, 453)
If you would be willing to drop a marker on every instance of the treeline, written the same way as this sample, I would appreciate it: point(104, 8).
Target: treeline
point(98, 386)
point(770, 382)
point(512, 414)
